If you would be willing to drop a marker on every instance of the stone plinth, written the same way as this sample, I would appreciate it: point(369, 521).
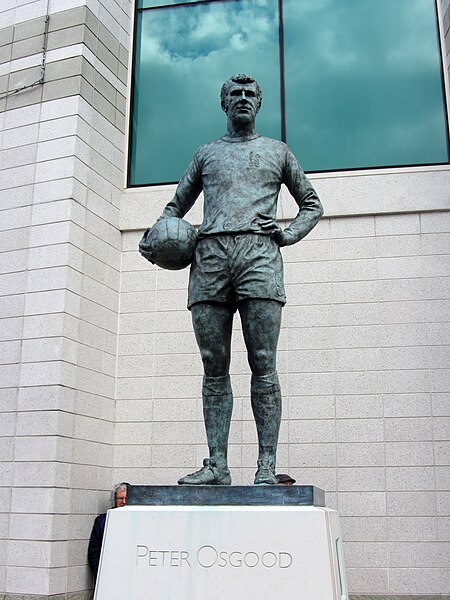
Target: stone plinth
point(231, 551)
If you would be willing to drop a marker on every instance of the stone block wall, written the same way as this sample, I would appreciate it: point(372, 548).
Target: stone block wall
point(61, 178)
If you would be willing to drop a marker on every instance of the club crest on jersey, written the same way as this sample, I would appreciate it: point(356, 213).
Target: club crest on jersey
point(254, 159)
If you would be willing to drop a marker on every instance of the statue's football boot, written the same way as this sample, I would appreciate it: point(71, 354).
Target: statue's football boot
point(265, 475)
point(209, 474)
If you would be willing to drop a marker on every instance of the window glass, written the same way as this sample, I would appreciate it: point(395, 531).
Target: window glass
point(363, 83)
point(183, 54)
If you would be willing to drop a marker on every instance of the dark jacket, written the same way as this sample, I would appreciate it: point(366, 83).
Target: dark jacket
point(95, 542)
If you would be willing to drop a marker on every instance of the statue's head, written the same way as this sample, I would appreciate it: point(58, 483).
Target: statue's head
point(239, 79)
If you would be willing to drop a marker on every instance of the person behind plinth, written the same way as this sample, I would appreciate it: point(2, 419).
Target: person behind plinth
point(118, 499)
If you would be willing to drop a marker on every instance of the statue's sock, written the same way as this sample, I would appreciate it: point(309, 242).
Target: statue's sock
point(266, 405)
point(217, 410)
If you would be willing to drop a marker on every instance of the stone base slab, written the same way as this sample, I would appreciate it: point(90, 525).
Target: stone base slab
point(222, 552)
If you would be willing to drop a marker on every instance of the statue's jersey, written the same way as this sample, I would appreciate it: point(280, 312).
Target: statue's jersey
point(241, 181)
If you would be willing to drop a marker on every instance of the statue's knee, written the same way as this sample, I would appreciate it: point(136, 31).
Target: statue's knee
point(215, 364)
point(262, 362)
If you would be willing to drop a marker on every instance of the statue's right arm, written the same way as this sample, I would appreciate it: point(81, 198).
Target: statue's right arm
point(186, 194)
point(187, 191)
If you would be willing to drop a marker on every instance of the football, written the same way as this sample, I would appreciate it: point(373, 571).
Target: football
point(170, 243)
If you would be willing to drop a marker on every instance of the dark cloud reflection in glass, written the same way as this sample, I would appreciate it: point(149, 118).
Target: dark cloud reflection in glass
point(183, 56)
point(363, 83)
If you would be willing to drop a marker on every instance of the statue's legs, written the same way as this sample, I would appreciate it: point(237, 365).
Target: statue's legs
point(261, 322)
point(212, 326)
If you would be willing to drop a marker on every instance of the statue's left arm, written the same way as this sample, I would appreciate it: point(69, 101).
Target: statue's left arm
point(310, 207)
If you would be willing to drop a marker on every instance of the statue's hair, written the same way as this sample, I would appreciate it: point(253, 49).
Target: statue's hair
point(117, 488)
point(239, 78)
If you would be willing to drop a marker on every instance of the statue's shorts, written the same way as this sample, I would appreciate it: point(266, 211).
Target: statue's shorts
point(230, 268)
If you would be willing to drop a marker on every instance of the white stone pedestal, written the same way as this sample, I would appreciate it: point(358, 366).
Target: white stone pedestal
point(222, 553)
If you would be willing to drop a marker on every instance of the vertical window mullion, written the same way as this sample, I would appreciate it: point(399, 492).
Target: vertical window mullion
point(282, 82)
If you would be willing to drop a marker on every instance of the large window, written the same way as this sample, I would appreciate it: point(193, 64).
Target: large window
point(348, 84)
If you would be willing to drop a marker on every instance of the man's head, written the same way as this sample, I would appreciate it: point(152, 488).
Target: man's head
point(120, 494)
point(240, 86)
point(284, 479)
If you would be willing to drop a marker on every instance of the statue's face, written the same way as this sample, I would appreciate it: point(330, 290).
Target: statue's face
point(242, 102)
